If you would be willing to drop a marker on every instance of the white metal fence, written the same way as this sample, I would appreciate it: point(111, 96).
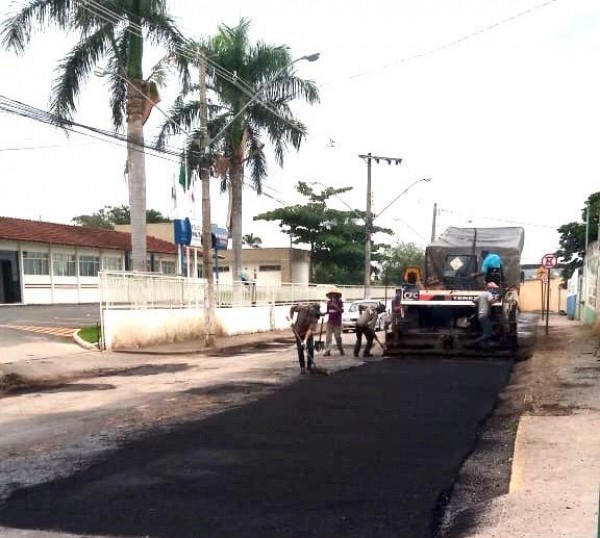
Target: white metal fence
point(128, 290)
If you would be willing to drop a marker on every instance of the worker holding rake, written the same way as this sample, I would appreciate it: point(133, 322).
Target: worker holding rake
point(304, 327)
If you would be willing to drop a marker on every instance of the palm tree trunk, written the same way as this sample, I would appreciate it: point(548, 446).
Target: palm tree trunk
point(237, 178)
point(136, 166)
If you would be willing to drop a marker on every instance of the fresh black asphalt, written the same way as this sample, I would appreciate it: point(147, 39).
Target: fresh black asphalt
point(368, 452)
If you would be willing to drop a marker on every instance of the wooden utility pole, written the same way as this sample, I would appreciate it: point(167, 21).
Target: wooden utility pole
point(207, 265)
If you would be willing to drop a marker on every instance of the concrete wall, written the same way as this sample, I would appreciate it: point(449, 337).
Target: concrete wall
point(129, 329)
point(530, 296)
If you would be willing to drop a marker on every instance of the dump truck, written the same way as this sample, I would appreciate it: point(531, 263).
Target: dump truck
point(436, 313)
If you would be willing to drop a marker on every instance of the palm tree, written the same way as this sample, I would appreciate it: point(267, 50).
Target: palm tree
point(115, 32)
point(253, 85)
point(252, 241)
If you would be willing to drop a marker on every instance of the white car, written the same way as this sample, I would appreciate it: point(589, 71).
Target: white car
point(351, 313)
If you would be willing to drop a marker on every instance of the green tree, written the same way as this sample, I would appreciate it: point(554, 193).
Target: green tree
point(108, 217)
point(573, 236)
point(251, 105)
point(396, 258)
point(252, 241)
point(336, 238)
point(115, 32)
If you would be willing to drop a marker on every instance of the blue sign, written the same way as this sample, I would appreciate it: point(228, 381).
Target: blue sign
point(219, 237)
point(183, 231)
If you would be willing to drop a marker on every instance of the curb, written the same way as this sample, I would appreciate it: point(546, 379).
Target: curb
point(82, 343)
point(217, 350)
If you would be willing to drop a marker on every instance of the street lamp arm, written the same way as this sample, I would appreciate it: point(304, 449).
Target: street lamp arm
point(427, 180)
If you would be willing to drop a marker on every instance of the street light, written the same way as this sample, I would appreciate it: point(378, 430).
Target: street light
point(369, 225)
point(425, 179)
point(329, 187)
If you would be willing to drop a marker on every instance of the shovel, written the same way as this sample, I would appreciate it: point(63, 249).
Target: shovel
point(319, 344)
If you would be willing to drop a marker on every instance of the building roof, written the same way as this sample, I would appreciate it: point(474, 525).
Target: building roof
point(34, 231)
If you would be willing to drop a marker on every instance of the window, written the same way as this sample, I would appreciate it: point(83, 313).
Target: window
point(36, 263)
point(223, 269)
point(263, 268)
point(167, 267)
point(112, 263)
point(89, 265)
point(64, 264)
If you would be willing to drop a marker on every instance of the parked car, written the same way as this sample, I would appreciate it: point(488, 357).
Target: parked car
point(351, 314)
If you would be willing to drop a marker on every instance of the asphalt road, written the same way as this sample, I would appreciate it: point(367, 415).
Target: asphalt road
point(70, 315)
point(43, 316)
point(369, 452)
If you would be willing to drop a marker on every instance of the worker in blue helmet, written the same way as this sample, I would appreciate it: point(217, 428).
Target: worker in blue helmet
point(491, 268)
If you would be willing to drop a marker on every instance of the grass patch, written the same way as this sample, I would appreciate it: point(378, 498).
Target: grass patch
point(90, 334)
point(512, 426)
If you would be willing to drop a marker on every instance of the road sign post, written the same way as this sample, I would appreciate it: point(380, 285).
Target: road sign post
point(548, 261)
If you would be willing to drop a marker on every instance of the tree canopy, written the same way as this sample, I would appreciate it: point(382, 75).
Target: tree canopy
point(108, 217)
point(573, 236)
point(336, 238)
point(396, 258)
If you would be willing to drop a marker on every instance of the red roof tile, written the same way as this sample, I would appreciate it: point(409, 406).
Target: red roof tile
point(62, 234)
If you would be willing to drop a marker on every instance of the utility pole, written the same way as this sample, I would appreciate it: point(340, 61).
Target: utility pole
point(207, 265)
point(433, 222)
point(368, 232)
point(369, 217)
point(587, 225)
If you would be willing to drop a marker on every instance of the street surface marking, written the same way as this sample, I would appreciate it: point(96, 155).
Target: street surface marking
point(63, 332)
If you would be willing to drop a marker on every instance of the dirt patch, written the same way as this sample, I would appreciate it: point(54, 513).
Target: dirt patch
point(141, 370)
point(536, 387)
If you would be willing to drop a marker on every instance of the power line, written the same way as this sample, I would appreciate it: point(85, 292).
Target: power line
point(189, 53)
point(455, 42)
point(506, 221)
point(20, 109)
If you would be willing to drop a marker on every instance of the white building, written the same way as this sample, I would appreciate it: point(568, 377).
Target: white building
point(45, 263)
point(265, 266)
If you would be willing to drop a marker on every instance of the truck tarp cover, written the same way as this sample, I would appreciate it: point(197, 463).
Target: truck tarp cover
point(506, 242)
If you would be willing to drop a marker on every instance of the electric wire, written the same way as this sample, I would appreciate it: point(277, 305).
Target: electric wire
point(17, 108)
point(189, 53)
point(455, 42)
point(506, 221)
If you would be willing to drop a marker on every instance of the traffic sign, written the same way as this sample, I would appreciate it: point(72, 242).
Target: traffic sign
point(549, 261)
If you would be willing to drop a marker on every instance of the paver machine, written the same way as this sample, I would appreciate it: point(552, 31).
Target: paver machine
point(437, 313)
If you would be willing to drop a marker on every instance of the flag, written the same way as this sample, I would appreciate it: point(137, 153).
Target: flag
point(183, 176)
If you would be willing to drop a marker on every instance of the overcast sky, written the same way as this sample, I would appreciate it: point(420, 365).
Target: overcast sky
point(499, 105)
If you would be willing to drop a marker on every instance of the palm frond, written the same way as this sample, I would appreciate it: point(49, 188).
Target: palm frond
point(256, 159)
point(182, 116)
point(17, 29)
point(162, 31)
point(74, 69)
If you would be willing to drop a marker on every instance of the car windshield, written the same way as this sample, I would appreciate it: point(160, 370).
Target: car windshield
point(354, 306)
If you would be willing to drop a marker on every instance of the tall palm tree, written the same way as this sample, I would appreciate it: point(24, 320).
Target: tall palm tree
point(112, 31)
point(253, 86)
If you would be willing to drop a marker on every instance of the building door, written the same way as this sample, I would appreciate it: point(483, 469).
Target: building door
point(10, 277)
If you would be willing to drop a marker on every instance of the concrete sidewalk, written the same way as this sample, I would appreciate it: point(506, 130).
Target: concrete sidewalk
point(555, 482)
point(47, 361)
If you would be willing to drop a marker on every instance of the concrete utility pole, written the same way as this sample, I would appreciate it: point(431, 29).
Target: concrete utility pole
point(369, 217)
point(207, 266)
point(434, 222)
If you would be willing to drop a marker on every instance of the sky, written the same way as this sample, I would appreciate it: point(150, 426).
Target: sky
point(497, 102)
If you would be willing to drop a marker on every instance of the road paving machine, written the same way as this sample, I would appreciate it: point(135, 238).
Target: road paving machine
point(437, 314)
